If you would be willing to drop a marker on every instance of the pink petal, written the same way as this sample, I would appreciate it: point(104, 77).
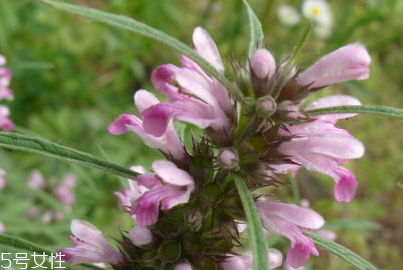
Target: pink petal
point(333, 101)
point(87, 232)
point(157, 117)
point(169, 173)
point(298, 255)
point(346, 63)
point(334, 145)
point(122, 124)
point(144, 100)
point(177, 196)
point(194, 84)
point(2, 182)
point(6, 125)
point(294, 214)
point(206, 47)
point(233, 263)
point(162, 78)
point(3, 60)
point(146, 208)
point(6, 93)
point(345, 188)
point(36, 180)
point(275, 257)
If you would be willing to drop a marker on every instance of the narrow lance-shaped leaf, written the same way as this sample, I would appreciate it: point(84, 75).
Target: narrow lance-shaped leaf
point(44, 147)
point(148, 31)
point(256, 31)
point(301, 43)
point(17, 243)
point(371, 109)
point(342, 252)
point(257, 237)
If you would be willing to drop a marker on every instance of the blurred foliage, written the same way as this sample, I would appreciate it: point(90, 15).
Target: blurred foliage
point(72, 77)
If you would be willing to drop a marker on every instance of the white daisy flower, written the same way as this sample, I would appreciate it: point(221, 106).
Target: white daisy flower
point(318, 11)
point(288, 15)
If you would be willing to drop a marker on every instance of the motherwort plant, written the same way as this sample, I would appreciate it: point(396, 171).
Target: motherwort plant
point(191, 208)
point(187, 208)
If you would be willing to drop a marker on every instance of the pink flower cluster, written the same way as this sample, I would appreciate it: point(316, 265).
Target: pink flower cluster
point(5, 93)
point(313, 143)
point(64, 192)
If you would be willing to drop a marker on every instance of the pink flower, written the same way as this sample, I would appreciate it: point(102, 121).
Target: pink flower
point(90, 246)
point(320, 146)
point(194, 97)
point(350, 62)
point(168, 142)
point(64, 191)
point(5, 123)
point(245, 261)
point(5, 79)
point(32, 212)
point(168, 186)
point(292, 221)
point(36, 180)
point(129, 195)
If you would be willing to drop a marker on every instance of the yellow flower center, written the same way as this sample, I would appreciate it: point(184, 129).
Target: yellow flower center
point(316, 11)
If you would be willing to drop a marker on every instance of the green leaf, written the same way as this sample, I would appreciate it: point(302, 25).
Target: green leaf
point(295, 189)
point(256, 31)
point(16, 243)
point(342, 252)
point(44, 147)
point(259, 244)
point(352, 224)
point(148, 31)
point(371, 109)
point(301, 43)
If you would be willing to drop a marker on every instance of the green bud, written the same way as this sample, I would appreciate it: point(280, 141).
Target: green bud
point(266, 106)
point(211, 193)
point(170, 251)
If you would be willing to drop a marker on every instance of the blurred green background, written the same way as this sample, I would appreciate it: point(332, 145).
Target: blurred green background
point(72, 77)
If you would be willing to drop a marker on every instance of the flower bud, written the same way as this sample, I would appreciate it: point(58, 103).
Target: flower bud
point(228, 158)
point(32, 212)
point(170, 251)
point(288, 111)
point(36, 180)
point(183, 266)
point(140, 236)
point(266, 106)
point(263, 64)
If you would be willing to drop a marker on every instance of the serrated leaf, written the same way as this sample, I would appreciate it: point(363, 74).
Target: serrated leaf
point(256, 232)
point(44, 147)
point(342, 252)
point(16, 243)
point(148, 31)
point(371, 109)
point(256, 31)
